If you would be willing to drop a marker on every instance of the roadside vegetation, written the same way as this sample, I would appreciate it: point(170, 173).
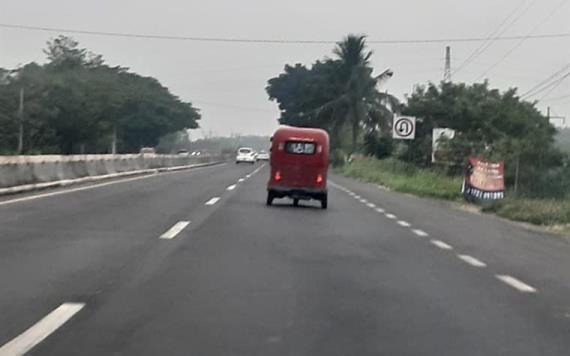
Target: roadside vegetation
point(404, 177)
point(76, 103)
point(343, 95)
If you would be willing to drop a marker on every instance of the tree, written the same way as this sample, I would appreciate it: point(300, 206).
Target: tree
point(76, 103)
point(490, 124)
point(335, 94)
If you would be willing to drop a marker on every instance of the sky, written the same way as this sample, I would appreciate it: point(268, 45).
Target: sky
point(227, 80)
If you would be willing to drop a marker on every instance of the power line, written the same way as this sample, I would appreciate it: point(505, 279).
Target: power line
point(276, 41)
point(546, 83)
point(554, 86)
point(233, 107)
point(522, 40)
point(567, 96)
point(497, 32)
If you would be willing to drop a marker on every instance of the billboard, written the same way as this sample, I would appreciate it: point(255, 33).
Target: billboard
point(484, 180)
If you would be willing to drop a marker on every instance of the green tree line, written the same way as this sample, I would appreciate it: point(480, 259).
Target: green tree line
point(341, 94)
point(76, 103)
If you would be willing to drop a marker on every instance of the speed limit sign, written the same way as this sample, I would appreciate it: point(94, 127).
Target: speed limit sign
point(404, 128)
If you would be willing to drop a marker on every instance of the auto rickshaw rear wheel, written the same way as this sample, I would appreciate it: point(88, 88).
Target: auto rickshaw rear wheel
point(295, 202)
point(324, 202)
point(270, 198)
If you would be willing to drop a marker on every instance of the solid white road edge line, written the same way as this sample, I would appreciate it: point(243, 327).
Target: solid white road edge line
point(231, 187)
point(391, 216)
point(517, 284)
point(212, 201)
point(175, 230)
point(403, 223)
point(41, 330)
point(94, 186)
point(472, 261)
point(442, 245)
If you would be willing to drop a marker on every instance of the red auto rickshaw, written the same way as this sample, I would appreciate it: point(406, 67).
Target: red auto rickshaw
point(299, 164)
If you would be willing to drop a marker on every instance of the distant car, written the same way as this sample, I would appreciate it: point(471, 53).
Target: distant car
point(245, 155)
point(147, 151)
point(263, 156)
point(195, 153)
point(183, 153)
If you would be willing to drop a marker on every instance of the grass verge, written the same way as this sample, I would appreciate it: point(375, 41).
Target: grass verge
point(406, 178)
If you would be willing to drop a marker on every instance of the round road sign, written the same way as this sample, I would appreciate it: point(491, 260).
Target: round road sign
point(404, 127)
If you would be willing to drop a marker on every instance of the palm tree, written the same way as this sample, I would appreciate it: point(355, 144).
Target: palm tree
point(357, 102)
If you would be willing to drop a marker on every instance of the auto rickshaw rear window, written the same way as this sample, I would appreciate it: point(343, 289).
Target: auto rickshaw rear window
point(300, 148)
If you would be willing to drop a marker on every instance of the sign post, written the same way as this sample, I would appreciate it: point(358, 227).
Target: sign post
point(404, 128)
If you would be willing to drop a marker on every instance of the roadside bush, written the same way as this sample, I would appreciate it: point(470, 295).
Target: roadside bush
point(405, 177)
point(539, 212)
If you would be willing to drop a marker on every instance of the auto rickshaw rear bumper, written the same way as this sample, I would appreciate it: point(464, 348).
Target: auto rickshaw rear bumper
point(297, 192)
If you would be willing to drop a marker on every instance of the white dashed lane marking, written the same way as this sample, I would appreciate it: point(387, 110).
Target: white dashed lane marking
point(442, 245)
point(213, 201)
point(420, 232)
point(516, 284)
point(41, 330)
point(403, 223)
point(472, 261)
point(175, 230)
point(241, 180)
point(231, 187)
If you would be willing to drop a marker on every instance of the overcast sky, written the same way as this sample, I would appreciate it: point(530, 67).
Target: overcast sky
point(227, 81)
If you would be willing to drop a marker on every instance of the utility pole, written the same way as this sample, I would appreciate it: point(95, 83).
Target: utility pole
point(447, 71)
point(549, 116)
point(21, 123)
point(114, 140)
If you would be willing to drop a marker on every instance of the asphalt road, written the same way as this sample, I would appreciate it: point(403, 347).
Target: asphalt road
point(156, 265)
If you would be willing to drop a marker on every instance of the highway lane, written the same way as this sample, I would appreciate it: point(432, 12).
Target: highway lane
point(75, 246)
point(378, 273)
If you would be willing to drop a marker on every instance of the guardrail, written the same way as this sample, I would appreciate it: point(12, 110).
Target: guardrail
point(23, 173)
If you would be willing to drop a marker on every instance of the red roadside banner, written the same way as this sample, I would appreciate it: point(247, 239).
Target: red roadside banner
point(484, 180)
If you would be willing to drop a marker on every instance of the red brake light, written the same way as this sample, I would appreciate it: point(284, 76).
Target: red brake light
point(319, 179)
point(277, 176)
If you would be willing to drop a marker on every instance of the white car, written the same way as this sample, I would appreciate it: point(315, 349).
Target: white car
point(245, 155)
point(263, 156)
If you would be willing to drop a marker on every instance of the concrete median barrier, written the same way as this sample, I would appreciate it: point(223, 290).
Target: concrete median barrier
point(27, 173)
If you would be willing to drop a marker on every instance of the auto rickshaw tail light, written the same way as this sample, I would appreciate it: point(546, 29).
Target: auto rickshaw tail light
point(277, 176)
point(319, 178)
